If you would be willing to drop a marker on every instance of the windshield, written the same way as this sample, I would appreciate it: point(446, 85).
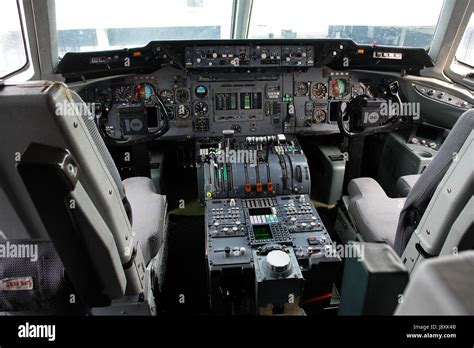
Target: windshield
point(95, 25)
point(400, 23)
point(91, 25)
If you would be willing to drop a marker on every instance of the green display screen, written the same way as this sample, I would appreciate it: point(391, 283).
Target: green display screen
point(262, 232)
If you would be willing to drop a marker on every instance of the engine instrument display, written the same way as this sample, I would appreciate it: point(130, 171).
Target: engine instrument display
point(250, 101)
point(226, 101)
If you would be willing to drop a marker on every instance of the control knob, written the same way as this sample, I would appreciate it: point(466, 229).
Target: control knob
point(278, 261)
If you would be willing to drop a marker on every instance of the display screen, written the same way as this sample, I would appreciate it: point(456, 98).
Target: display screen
point(226, 101)
point(260, 211)
point(262, 232)
point(338, 88)
point(152, 117)
point(250, 101)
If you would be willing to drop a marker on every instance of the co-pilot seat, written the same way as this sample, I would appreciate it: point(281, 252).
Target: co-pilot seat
point(379, 218)
point(116, 228)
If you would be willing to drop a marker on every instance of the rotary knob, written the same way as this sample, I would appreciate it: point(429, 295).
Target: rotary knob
point(278, 261)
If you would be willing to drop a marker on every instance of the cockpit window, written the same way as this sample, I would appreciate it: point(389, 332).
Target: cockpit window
point(12, 45)
point(465, 52)
point(91, 25)
point(401, 23)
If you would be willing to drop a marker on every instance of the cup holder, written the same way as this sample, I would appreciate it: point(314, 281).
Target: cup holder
point(424, 154)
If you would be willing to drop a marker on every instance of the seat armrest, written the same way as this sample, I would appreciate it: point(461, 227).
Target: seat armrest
point(373, 277)
point(406, 183)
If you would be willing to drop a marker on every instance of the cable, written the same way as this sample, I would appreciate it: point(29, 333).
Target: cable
point(317, 298)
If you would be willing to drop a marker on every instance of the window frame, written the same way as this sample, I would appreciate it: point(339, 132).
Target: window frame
point(453, 75)
point(25, 47)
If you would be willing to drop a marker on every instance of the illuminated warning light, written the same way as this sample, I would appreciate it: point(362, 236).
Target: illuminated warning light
point(360, 51)
point(209, 194)
point(137, 54)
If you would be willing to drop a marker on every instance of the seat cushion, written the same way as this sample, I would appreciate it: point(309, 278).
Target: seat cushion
point(148, 214)
point(406, 183)
point(441, 286)
point(375, 214)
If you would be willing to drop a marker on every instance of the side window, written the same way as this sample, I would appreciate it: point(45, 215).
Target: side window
point(12, 45)
point(461, 68)
point(465, 52)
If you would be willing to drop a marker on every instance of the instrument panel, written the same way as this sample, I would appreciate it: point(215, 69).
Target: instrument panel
point(291, 97)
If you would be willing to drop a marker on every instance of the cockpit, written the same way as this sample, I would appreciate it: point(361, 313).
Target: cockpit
point(236, 158)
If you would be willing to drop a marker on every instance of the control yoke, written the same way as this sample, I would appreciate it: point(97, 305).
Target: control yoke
point(370, 115)
point(133, 123)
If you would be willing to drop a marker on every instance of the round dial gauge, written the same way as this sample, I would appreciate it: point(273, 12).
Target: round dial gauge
point(166, 96)
point(338, 88)
point(358, 90)
point(318, 90)
point(200, 91)
point(200, 108)
point(143, 91)
point(182, 95)
point(122, 94)
point(301, 88)
point(319, 115)
point(183, 112)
